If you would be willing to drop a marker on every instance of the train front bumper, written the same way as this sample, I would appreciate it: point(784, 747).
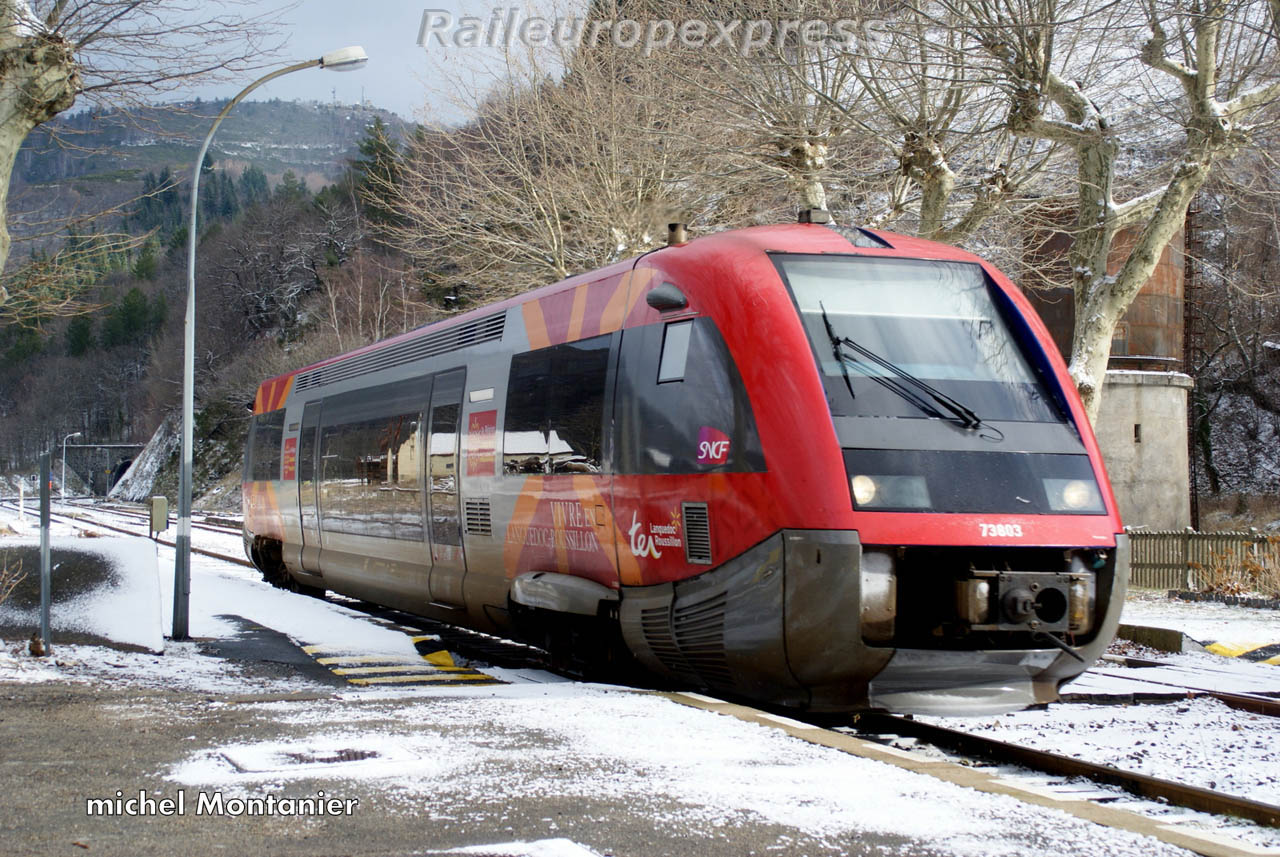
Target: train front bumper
point(783, 624)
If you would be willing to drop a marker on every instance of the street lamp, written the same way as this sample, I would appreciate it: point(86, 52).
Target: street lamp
point(64, 464)
point(345, 59)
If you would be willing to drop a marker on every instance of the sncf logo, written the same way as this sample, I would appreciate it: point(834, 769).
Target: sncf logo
point(713, 446)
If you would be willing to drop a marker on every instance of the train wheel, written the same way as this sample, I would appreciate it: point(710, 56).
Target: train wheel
point(588, 647)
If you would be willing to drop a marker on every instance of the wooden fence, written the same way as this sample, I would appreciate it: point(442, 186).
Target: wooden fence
point(1180, 559)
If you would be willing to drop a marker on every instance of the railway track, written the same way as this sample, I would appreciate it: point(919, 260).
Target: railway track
point(84, 520)
point(1254, 703)
point(1015, 772)
point(206, 524)
point(1057, 765)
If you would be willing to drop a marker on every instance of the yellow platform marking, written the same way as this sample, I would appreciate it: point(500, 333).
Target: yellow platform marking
point(1275, 661)
point(1233, 650)
point(432, 668)
point(441, 659)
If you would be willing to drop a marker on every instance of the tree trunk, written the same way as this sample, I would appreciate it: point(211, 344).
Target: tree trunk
point(807, 161)
point(39, 78)
point(924, 162)
point(1101, 299)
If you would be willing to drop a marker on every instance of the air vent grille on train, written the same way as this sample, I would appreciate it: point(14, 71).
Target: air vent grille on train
point(697, 533)
point(478, 519)
point(487, 329)
point(655, 624)
point(699, 633)
point(689, 640)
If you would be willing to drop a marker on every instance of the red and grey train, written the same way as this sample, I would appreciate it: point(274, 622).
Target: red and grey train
point(819, 467)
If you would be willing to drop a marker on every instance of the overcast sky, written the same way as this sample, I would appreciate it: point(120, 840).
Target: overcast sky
point(400, 75)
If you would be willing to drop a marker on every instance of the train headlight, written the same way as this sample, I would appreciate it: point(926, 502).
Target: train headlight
point(879, 596)
point(1073, 495)
point(864, 490)
point(890, 492)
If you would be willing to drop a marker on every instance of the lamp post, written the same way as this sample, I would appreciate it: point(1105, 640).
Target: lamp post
point(64, 464)
point(345, 59)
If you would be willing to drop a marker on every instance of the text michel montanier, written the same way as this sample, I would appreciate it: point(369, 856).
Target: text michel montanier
point(215, 803)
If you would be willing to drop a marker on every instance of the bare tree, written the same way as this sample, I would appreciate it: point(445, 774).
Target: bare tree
point(1150, 99)
point(552, 177)
point(942, 120)
point(54, 52)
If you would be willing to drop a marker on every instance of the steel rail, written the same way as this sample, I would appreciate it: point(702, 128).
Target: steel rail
point(204, 525)
point(1142, 785)
point(90, 522)
point(1254, 703)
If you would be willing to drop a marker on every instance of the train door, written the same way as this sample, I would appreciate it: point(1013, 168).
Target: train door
point(448, 565)
point(307, 483)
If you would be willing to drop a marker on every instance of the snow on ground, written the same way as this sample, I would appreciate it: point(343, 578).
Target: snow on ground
point(181, 667)
point(541, 848)
point(690, 769)
point(1183, 741)
point(1203, 621)
point(125, 610)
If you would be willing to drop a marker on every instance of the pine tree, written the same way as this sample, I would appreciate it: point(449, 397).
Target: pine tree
point(79, 336)
point(254, 189)
point(291, 188)
point(376, 172)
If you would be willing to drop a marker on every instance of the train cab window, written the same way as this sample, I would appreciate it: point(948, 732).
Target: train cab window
point(266, 432)
point(704, 423)
point(675, 351)
point(555, 409)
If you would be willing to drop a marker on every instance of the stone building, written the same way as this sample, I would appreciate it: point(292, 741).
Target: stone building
point(1142, 426)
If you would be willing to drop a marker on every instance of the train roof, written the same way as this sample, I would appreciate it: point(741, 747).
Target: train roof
point(784, 238)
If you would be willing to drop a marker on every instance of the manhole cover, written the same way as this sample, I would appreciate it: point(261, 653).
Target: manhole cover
point(331, 758)
point(272, 758)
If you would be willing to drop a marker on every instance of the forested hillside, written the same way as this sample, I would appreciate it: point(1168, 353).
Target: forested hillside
point(282, 261)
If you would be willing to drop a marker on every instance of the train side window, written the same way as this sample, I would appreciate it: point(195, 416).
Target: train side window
point(442, 458)
point(524, 436)
point(555, 409)
point(266, 434)
point(307, 468)
point(700, 425)
point(675, 351)
point(578, 374)
point(369, 462)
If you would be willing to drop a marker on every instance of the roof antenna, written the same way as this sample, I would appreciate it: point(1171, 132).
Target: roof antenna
point(676, 234)
point(814, 215)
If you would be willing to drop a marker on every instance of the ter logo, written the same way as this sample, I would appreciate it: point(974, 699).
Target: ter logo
point(713, 446)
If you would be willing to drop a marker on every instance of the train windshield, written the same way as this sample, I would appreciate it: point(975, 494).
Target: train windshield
point(885, 329)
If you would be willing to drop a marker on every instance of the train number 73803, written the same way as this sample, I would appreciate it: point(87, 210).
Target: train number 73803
point(989, 530)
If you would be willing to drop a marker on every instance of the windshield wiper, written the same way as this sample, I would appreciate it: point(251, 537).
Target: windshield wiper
point(835, 348)
point(909, 384)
